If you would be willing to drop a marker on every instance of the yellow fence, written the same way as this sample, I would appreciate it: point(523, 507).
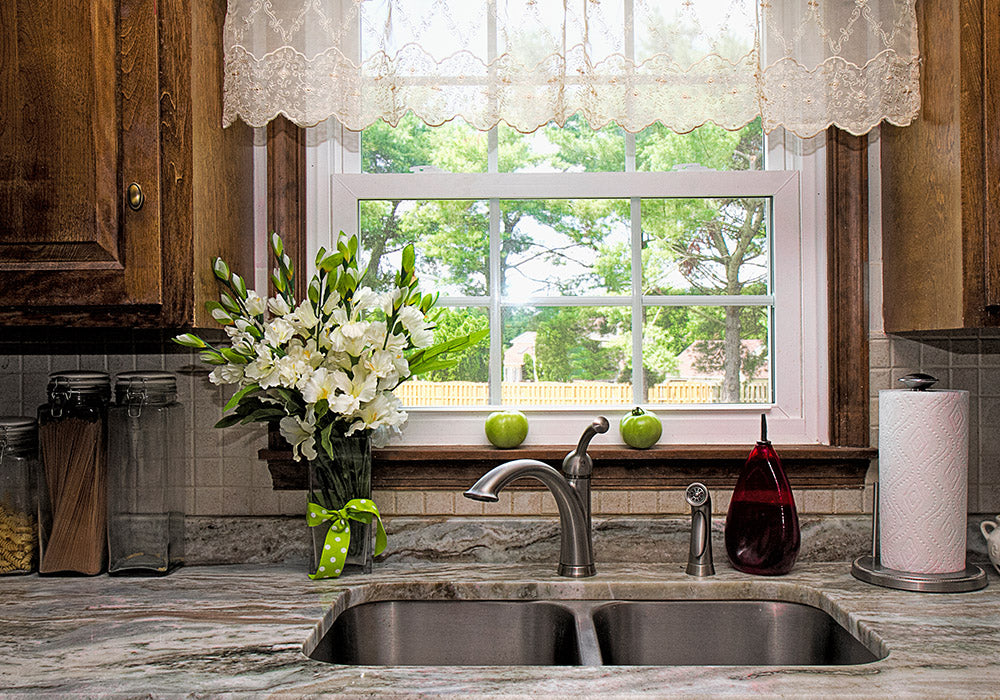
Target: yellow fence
point(423, 393)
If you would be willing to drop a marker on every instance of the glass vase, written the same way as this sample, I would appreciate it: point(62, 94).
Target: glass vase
point(762, 525)
point(335, 480)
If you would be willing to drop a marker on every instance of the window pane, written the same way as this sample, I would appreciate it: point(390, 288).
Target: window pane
point(465, 384)
point(707, 354)
point(565, 356)
point(658, 149)
point(574, 148)
point(453, 147)
point(451, 238)
point(560, 247)
point(705, 246)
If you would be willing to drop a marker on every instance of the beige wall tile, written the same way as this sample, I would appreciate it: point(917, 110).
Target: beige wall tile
point(293, 502)
point(386, 502)
point(814, 501)
point(612, 502)
point(527, 503)
point(643, 502)
point(549, 506)
point(848, 501)
point(409, 503)
point(439, 503)
point(467, 506)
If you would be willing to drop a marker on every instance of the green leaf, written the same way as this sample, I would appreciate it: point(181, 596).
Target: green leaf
point(426, 359)
point(238, 396)
point(409, 258)
point(324, 439)
point(353, 244)
point(234, 357)
point(228, 421)
point(331, 262)
point(320, 254)
point(211, 357)
point(263, 415)
point(189, 340)
point(221, 269)
point(313, 292)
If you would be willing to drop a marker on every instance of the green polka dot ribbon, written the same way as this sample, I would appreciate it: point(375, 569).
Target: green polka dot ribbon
point(338, 537)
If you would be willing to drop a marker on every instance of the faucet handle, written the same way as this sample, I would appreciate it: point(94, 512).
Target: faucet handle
point(578, 463)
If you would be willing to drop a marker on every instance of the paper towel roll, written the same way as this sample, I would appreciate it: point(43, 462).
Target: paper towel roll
point(923, 480)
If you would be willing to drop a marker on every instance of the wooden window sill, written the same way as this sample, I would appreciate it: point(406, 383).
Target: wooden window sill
point(616, 467)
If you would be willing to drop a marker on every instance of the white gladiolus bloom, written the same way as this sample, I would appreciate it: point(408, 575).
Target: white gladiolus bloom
point(363, 299)
point(241, 341)
point(388, 300)
point(331, 303)
point(256, 305)
point(413, 321)
point(390, 365)
point(278, 306)
point(304, 317)
point(226, 374)
point(320, 385)
point(356, 390)
point(300, 434)
point(278, 332)
point(262, 370)
point(384, 410)
point(396, 343)
point(307, 353)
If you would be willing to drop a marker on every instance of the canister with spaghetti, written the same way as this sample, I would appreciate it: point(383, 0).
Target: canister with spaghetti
point(72, 442)
point(18, 498)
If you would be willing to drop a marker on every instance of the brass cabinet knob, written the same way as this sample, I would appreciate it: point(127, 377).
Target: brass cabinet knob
point(135, 197)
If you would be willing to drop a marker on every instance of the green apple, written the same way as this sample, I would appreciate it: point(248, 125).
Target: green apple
point(640, 428)
point(506, 429)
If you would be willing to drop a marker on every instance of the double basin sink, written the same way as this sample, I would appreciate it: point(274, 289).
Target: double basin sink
point(588, 633)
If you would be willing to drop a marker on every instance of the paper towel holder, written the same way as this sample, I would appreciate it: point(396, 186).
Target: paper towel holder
point(868, 568)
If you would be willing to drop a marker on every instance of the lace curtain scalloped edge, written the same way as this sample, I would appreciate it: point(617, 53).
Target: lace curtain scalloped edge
point(785, 94)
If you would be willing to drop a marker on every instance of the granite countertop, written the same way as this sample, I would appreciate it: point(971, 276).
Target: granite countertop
point(209, 630)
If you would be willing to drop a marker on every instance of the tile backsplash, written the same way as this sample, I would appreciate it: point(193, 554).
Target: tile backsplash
point(226, 478)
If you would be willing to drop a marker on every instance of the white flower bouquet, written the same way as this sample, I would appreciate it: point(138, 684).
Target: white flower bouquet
point(324, 366)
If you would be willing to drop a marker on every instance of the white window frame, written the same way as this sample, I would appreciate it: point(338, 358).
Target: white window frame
point(800, 413)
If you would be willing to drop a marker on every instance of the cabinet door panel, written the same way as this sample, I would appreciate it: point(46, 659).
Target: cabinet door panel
point(63, 235)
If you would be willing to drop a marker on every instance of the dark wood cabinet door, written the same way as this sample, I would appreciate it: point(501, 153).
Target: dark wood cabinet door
point(78, 123)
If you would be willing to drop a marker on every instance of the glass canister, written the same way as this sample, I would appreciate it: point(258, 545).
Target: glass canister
point(146, 468)
point(18, 498)
point(72, 450)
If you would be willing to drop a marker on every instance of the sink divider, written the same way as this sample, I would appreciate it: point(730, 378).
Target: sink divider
point(586, 633)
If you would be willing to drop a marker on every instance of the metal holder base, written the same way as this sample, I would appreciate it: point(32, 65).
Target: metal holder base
point(866, 569)
point(870, 570)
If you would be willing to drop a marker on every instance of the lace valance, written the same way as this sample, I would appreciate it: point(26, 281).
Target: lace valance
point(799, 64)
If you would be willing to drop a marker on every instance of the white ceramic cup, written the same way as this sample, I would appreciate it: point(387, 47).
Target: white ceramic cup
point(991, 532)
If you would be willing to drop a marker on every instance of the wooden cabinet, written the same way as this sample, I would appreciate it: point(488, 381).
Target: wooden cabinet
point(96, 96)
point(941, 178)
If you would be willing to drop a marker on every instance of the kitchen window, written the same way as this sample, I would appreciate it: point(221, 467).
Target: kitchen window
point(608, 266)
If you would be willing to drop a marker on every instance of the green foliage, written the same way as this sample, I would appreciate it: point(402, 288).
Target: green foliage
point(703, 246)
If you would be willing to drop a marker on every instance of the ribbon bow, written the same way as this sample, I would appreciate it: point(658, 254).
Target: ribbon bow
point(338, 537)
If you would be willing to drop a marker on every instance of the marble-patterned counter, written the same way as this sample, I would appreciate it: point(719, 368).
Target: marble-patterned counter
point(215, 630)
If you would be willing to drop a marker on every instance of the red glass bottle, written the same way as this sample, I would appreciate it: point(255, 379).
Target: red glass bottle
point(762, 525)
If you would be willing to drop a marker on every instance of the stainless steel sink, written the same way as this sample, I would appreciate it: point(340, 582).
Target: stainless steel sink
point(588, 632)
point(723, 633)
point(452, 633)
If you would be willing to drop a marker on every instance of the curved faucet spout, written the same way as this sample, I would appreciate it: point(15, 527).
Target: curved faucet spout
point(576, 555)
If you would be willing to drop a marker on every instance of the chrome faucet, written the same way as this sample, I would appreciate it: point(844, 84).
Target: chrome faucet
point(571, 489)
point(700, 553)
